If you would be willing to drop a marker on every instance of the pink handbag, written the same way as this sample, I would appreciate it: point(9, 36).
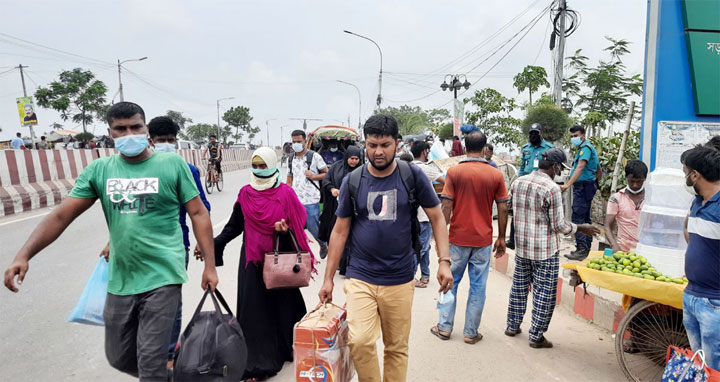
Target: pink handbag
point(287, 269)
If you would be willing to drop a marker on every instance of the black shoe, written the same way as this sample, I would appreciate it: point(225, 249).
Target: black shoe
point(323, 252)
point(510, 244)
point(512, 332)
point(578, 255)
point(543, 343)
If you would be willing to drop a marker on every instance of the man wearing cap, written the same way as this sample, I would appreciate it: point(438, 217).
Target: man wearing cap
point(540, 220)
point(531, 153)
point(584, 178)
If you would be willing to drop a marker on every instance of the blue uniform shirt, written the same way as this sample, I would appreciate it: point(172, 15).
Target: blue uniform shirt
point(531, 156)
point(587, 152)
point(183, 213)
point(702, 258)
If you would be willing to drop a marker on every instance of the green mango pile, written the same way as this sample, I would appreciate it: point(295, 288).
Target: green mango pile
point(630, 264)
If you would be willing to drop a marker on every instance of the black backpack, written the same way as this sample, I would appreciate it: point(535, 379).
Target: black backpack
point(308, 159)
point(408, 180)
point(212, 347)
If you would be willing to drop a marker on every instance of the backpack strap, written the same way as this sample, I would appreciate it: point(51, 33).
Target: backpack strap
point(408, 179)
point(354, 186)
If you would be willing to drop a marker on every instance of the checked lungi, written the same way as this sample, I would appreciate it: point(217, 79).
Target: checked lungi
point(543, 275)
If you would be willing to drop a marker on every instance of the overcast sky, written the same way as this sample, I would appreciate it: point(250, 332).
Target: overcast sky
point(282, 58)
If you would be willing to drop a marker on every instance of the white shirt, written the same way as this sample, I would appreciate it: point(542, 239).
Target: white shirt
point(305, 190)
point(431, 174)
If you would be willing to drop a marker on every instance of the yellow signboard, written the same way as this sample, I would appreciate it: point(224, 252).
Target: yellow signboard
point(26, 110)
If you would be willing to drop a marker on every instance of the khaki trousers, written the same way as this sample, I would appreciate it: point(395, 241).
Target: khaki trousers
point(370, 309)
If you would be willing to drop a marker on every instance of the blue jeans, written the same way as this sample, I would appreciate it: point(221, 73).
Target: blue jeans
point(583, 194)
point(477, 260)
point(426, 233)
point(313, 221)
point(701, 317)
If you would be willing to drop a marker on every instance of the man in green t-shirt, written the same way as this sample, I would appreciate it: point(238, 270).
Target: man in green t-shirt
point(140, 193)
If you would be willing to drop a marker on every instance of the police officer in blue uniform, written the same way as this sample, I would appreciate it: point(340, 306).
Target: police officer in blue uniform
point(584, 178)
point(530, 155)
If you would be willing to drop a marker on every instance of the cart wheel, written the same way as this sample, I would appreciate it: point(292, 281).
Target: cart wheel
point(219, 184)
point(643, 337)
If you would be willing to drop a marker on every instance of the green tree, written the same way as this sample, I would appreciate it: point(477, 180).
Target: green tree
point(446, 131)
point(77, 95)
point(239, 118)
point(601, 94)
point(608, 149)
point(411, 120)
point(531, 78)
point(180, 119)
point(252, 132)
point(201, 131)
point(493, 116)
point(555, 122)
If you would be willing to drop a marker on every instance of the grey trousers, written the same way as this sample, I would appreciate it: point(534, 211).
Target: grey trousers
point(138, 330)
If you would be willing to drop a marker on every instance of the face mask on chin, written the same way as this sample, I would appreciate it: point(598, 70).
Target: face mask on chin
point(690, 188)
point(630, 190)
point(535, 139)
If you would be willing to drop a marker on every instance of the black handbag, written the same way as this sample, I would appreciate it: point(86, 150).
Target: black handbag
point(212, 347)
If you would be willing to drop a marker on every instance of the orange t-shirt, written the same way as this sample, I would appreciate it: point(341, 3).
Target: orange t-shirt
point(474, 186)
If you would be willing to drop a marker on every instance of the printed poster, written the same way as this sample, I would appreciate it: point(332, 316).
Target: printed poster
point(26, 110)
point(675, 137)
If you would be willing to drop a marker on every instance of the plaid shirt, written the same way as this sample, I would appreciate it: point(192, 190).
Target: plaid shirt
point(539, 219)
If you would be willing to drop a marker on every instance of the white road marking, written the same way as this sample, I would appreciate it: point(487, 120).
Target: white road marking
point(25, 218)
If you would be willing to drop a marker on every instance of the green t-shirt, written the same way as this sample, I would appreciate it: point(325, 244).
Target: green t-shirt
point(141, 203)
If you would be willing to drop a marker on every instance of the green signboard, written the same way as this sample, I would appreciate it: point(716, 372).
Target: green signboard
point(701, 14)
point(704, 56)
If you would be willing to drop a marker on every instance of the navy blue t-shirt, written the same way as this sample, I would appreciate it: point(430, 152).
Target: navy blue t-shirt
point(702, 258)
point(380, 247)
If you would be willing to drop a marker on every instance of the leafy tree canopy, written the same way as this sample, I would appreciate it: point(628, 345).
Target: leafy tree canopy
point(555, 122)
point(492, 114)
point(77, 95)
point(531, 78)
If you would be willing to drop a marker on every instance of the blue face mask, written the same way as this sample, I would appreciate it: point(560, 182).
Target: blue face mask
point(333, 149)
point(576, 141)
point(264, 173)
point(165, 147)
point(131, 145)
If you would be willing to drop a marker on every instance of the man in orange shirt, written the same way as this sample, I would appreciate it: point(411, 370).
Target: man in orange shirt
point(471, 188)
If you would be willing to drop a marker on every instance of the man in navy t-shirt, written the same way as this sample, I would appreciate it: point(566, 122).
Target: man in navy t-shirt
point(701, 300)
point(380, 272)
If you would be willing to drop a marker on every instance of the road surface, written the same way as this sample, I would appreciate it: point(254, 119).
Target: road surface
point(39, 345)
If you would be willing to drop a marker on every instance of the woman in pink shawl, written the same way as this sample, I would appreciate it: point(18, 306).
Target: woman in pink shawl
point(264, 207)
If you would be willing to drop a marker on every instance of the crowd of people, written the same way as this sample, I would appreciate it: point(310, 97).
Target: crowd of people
point(378, 218)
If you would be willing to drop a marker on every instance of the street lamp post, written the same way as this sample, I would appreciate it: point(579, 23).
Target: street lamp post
point(122, 97)
point(218, 112)
point(454, 85)
point(379, 97)
point(267, 129)
point(359, 103)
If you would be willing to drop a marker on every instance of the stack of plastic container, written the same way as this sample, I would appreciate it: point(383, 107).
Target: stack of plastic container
point(662, 221)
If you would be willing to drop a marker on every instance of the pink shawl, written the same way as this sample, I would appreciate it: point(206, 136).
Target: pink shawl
point(262, 209)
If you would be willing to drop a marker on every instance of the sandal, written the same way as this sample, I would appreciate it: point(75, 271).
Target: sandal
point(424, 280)
point(420, 284)
point(439, 334)
point(474, 340)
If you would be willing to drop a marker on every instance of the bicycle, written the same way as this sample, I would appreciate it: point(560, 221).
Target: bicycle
point(213, 178)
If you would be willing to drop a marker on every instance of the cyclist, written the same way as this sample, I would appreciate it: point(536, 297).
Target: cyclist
point(215, 151)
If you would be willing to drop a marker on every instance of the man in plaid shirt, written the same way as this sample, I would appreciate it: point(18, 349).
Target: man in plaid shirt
point(539, 220)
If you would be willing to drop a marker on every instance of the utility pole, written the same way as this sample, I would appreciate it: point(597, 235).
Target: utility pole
point(557, 83)
point(379, 97)
point(455, 84)
point(218, 113)
point(122, 96)
point(22, 79)
point(359, 105)
point(267, 129)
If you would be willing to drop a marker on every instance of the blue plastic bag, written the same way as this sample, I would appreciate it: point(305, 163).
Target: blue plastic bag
point(89, 309)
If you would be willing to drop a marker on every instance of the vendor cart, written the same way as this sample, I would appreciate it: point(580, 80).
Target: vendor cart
point(653, 319)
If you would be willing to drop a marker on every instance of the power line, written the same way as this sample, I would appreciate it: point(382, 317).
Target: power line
point(98, 62)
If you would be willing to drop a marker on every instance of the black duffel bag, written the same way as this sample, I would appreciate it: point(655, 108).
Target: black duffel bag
point(212, 347)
